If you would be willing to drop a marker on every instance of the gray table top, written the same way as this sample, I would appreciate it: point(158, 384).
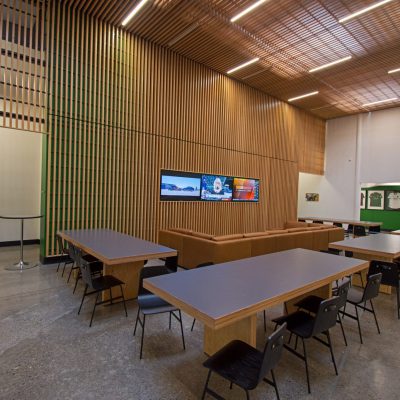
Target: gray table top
point(115, 248)
point(382, 243)
point(344, 221)
point(240, 288)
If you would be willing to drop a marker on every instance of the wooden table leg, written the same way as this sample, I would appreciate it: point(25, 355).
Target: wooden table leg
point(128, 273)
point(245, 330)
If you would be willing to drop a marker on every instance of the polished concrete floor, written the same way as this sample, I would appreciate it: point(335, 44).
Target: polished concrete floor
point(49, 352)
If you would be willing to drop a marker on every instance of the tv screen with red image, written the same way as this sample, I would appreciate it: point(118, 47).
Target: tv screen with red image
point(245, 189)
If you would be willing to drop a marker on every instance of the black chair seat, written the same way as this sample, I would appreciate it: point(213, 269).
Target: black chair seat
point(105, 282)
point(310, 303)
point(355, 296)
point(300, 323)
point(238, 362)
point(151, 304)
point(89, 258)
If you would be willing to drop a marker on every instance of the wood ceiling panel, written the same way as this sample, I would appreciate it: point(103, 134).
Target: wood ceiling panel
point(289, 36)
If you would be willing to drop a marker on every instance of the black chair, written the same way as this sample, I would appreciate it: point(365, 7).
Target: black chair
point(331, 251)
point(66, 259)
point(338, 224)
point(301, 220)
point(317, 221)
point(98, 286)
point(206, 264)
point(359, 231)
point(359, 299)
point(96, 266)
point(311, 303)
point(150, 304)
point(245, 366)
point(305, 326)
point(390, 276)
point(374, 229)
point(349, 230)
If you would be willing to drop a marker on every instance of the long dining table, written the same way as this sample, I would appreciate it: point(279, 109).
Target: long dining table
point(226, 297)
point(122, 255)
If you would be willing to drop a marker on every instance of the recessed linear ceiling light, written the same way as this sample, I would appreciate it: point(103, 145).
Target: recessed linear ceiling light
point(392, 71)
point(364, 10)
point(330, 64)
point(134, 12)
point(243, 65)
point(247, 10)
point(380, 101)
point(303, 95)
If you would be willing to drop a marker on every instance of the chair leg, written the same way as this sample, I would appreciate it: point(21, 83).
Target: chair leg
point(194, 321)
point(206, 385)
point(265, 321)
point(141, 340)
point(297, 341)
point(70, 273)
point(83, 298)
point(247, 395)
point(94, 309)
point(137, 319)
point(306, 362)
point(123, 299)
point(341, 326)
point(231, 386)
point(62, 274)
point(331, 350)
point(169, 323)
point(111, 297)
point(58, 266)
point(359, 326)
point(183, 337)
point(76, 282)
point(275, 384)
point(398, 302)
point(376, 319)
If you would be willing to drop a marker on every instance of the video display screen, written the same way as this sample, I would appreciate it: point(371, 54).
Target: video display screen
point(216, 188)
point(245, 189)
point(177, 185)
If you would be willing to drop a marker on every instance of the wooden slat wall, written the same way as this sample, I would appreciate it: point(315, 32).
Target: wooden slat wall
point(121, 109)
point(23, 73)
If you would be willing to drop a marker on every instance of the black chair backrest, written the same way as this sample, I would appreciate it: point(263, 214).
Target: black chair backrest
point(317, 221)
point(272, 351)
point(390, 272)
point(326, 316)
point(350, 228)
point(342, 291)
point(206, 264)
point(84, 266)
point(371, 289)
point(150, 272)
point(60, 243)
point(338, 224)
point(302, 220)
point(331, 251)
point(359, 231)
point(348, 253)
point(375, 228)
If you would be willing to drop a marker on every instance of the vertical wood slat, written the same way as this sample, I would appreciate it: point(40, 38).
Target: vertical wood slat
point(135, 108)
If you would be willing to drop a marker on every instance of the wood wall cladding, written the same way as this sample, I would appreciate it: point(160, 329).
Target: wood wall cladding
point(121, 109)
point(23, 71)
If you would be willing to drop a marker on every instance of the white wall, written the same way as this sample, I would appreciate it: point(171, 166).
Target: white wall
point(359, 149)
point(20, 182)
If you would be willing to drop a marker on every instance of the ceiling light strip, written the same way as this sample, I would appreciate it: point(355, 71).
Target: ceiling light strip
point(364, 10)
point(303, 95)
point(330, 64)
point(380, 101)
point(134, 12)
point(247, 10)
point(243, 65)
point(392, 71)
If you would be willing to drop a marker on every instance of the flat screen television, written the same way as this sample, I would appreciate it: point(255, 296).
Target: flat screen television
point(245, 189)
point(177, 185)
point(216, 188)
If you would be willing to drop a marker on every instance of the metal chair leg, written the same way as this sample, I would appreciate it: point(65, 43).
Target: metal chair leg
point(83, 298)
point(169, 323)
point(247, 395)
point(123, 299)
point(76, 283)
point(111, 296)
point(206, 385)
point(141, 340)
point(70, 273)
point(331, 350)
point(275, 384)
point(341, 326)
point(306, 362)
point(359, 326)
point(183, 337)
point(265, 321)
point(194, 321)
point(398, 302)
point(376, 319)
point(94, 309)
point(137, 319)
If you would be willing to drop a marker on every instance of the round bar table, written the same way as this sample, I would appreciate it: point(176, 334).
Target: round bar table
point(21, 265)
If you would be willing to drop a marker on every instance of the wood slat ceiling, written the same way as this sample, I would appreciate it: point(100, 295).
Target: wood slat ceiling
point(289, 36)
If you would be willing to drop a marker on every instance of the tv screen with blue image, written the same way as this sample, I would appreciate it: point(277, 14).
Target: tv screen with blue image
point(177, 185)
point(216, 188)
